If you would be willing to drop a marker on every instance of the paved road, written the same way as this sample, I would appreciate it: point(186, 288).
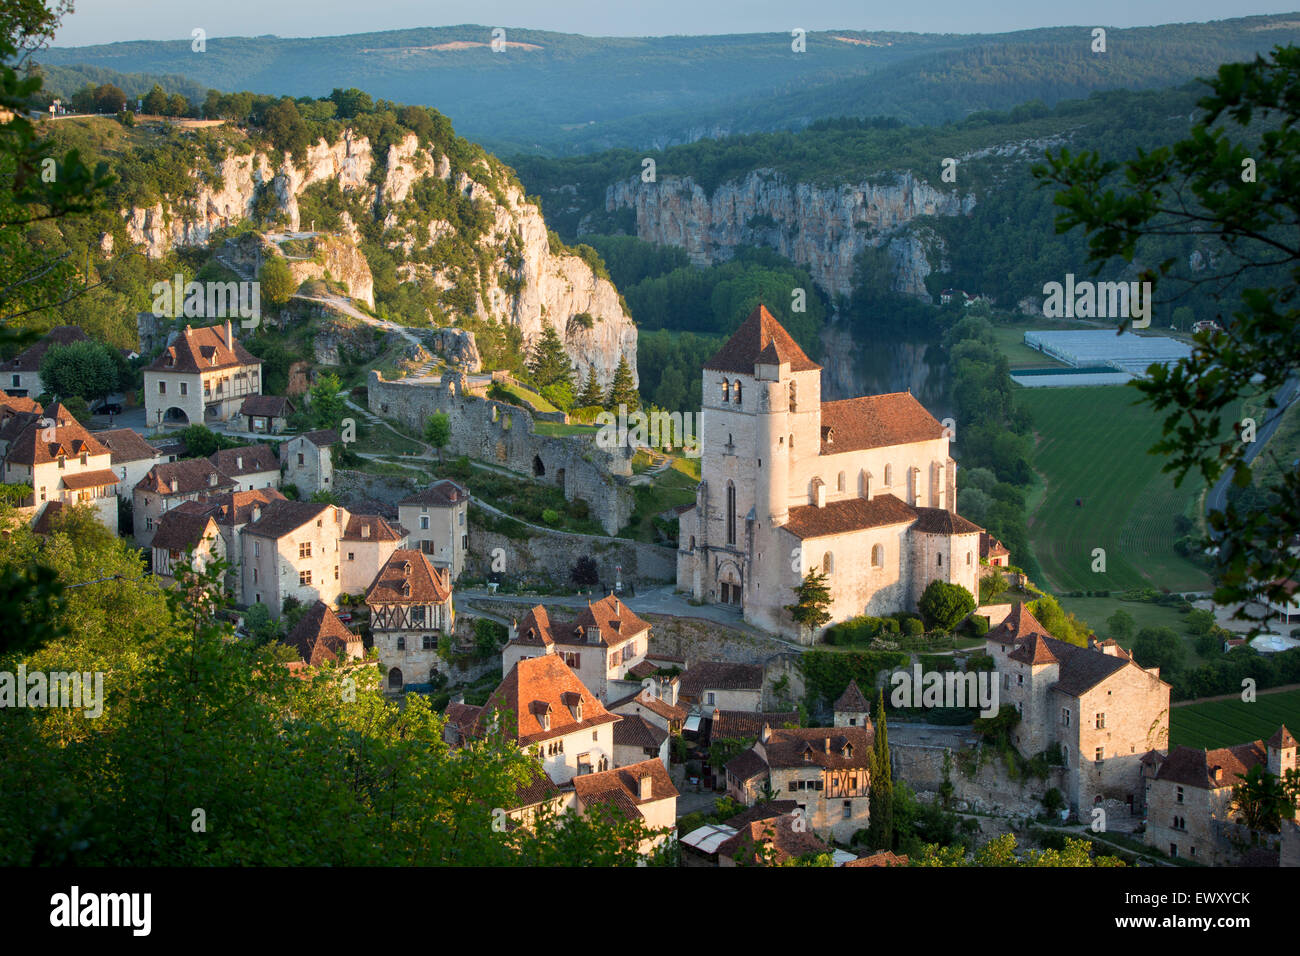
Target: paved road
point(1218, 496)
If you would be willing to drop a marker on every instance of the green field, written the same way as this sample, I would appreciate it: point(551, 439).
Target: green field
point(1092, 445)
point(1011, 342)
point(1224, 723)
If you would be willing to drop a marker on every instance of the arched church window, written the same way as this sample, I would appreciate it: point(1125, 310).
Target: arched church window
point(839, 482)
point(889, 475)
point(878, 556)
point(968, 559)
point(726, 390)
point(737, 391)
point(828, 563)
point(731, 513)
point(794, 401)
point(940, 557)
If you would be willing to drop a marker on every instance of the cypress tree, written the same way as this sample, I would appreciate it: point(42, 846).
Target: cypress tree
point(622, 391)
point(592, 393)
point(880, 831)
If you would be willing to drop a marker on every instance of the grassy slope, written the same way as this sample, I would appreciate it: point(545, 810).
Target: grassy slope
point(1092, 445)
point(1223, 723)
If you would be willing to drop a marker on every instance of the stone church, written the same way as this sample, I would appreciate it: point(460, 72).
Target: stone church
point(862, 489)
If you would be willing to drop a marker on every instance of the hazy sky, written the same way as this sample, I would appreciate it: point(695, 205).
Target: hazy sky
point(105, 21)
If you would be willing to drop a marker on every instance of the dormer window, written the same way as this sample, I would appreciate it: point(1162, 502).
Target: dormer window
point(593, 635)
point(406, 589)
point(848, 750)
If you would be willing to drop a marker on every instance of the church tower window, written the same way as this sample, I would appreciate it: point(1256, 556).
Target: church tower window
point(731, 513)
point(726, 390)
point(878, 556)
point(736, 390)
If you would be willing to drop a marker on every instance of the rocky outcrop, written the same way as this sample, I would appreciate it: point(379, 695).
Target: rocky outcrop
point(458, 349)
point(520, 281)
point(821, 227)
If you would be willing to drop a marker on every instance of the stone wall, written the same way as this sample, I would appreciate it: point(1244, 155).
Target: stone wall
point(989, 790)
point(551, 556)
point(503, 435)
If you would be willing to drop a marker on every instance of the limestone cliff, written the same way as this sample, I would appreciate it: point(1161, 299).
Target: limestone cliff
point(821, 227)
point(508, 272)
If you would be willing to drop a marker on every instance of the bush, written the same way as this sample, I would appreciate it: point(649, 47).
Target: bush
point(552, 517)
point(943, 605)
point(911, 627)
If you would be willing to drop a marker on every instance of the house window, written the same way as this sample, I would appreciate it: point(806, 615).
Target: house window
point(708, 698)
point(1173, 849)
point(257, 548)
point(1178, 794)
point(336, 572)
point(304, 578)
point(1101, 721)
point(351, 555)
point(148, 521)
point(304, 549)
point(430, 643)
point(401, 643)
point(572, 660)
point(185, 388)
point(1099, 754)
point(424, 522)
point(162, 388)
point(794, 785)
point(1065, 716)
point(254, 575)
point(848, 809)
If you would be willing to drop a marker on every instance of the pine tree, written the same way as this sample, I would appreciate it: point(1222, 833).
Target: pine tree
point(622, 391)
point(548, 362)
point(592, 393)
point(813, 598)
point(880, 831)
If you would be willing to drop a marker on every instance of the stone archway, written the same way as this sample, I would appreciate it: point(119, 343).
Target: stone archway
point(730, 584)
point(175, 416)
point(395, 679)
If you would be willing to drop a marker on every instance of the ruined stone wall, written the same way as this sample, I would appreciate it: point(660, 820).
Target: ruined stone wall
point(552, 555)
point(503, 435)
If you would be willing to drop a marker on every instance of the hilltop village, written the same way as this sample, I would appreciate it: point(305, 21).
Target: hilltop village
point(695, 676)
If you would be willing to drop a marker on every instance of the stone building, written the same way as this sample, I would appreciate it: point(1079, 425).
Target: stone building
point(132, 455)
point(852, 709)
point(826, 770)
point(184, 538)
point(410, 609)
point(308, 463)
point(251, 466)
point(166, 486)
point(722, 684)
point(503, 434)
point(1190, 807)
point(863, 490)
point(202, 376)
point(605, 642)
point(1103, 710)
point(436, 520)
point(320, 637)
point(640, 791)
point(636, 739)
point(20, 376)
point(265, 414)
point(296, 549)
point(367, 544)
point(62, 462)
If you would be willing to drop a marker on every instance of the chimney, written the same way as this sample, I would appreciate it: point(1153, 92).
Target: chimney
point(821, 495)
point(176, 486)
point(828, 745)
point(212, 480)
point(230, 337)
point(239, 462)
point(643, 790)
point(767, 732)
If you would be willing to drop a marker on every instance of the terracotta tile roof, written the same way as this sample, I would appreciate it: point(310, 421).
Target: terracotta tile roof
point(849, 514)
point(942, 521)
point(761, 811)
point(759, 336)
point(272, 406)
point(126, 445)
point(535, 628)
point(33, 444)
point(202, 350)
point(747, 765)
point(11, 405)
point(625, 781)
point(440, 494)
point(882, 858)
point(1034, 651)
point(181, 530)
point(776, 837)
point(642, 670)
point(656, 705)
point(29, 360)
point(852, 701)
point(539, 789)
point(320, 636)
point(744, 724)
point(185, 477)
point(1017, 625)
point(835, 748)
point(408, 577)
point(876, 421)
point(322, 437)
point(536, 686)
point(237, 507)
point(613, 619)
point(720, 675)
point(991, 547)
point(100, 478)
point(464, 717)
point(245, 460)
point(636, 731)
point(369, 528)
point(1195, 768)
point(1281, 739)
point(284, 517)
